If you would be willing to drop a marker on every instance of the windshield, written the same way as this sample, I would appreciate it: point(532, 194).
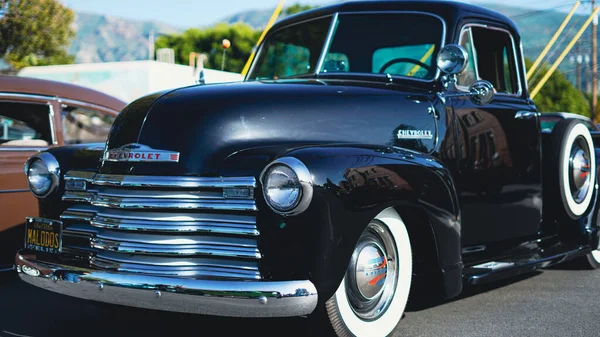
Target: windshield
point(360, 43)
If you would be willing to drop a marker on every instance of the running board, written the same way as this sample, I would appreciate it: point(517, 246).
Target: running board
point(540, 258)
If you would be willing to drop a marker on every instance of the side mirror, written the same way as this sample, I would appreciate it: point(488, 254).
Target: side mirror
point(452, 59)
point(481, 92)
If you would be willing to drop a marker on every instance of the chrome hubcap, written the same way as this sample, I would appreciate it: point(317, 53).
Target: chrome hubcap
point(372, 274)
point(579, 165)
point(371, 270)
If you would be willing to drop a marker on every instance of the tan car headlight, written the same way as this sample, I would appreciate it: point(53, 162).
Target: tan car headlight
point(43, 174)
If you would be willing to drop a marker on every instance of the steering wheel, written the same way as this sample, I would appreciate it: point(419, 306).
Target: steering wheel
point(404, 59)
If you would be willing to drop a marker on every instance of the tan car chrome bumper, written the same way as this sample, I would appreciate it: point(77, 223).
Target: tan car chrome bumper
point(209, 297)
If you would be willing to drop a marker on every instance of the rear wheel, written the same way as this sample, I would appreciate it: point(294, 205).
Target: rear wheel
point(371, 299)
point(572, 165)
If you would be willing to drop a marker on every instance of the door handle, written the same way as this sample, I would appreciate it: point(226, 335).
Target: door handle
point(526, 114)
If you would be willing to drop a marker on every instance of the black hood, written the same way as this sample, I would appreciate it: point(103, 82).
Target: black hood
point(206, 124)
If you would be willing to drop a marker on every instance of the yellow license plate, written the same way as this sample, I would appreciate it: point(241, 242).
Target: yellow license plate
point(43, 235)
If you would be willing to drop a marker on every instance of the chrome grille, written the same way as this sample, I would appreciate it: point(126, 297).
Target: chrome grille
point(169, 226)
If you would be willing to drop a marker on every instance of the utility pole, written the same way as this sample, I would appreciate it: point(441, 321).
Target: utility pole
point(151, 46)
point(594, 63)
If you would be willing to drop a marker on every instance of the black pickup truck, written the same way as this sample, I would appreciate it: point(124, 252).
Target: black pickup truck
point(372, 147)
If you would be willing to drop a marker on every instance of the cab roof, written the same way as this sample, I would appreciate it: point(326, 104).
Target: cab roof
point(451, 11)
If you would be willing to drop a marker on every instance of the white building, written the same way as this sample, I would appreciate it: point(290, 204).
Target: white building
point(129, 80)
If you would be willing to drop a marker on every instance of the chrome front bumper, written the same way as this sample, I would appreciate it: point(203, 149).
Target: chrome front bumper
point(209, 297)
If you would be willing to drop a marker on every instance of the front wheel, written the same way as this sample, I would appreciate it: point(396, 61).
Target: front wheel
point(371, 299)
point(593, 259)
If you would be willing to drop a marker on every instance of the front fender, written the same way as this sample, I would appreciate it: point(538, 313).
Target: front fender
point(352, 184)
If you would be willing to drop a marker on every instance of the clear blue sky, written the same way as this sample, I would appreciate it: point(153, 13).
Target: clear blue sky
point(189, 13)
point(182, 13)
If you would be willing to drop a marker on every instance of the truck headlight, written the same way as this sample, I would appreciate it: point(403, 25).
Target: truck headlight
point(43, 174)
point(287, 186)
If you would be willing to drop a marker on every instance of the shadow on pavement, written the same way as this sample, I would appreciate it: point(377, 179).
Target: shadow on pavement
point(37, 312)
point(50, 314)
point(425, 301)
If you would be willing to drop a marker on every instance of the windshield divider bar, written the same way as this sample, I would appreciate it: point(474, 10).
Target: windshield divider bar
point(327, 43)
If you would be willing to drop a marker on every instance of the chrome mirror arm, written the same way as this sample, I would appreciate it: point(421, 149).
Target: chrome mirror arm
point(480, 93)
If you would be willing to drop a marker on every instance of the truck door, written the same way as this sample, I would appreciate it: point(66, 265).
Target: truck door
point(499, 144)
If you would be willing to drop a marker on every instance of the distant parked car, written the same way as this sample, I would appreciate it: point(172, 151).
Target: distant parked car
point(35, 115)
point(549, 119)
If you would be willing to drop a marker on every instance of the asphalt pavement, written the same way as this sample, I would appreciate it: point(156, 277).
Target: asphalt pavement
point(554, 302)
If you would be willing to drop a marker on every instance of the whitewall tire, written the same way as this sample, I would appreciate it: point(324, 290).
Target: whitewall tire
point(371, 299)
point(572, 164)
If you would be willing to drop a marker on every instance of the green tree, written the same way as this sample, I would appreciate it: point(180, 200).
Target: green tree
point(558, 94)
point(208, 41)
point(35, 32)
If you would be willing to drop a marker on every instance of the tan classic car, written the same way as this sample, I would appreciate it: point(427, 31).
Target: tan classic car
point(37, 114)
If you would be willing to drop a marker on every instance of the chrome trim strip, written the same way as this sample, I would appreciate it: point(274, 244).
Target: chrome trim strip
point(200, 296)
point(19, 95)
point(145, 203)
point(210, 196)
point(141, 202)
point(80, 175)
point(171, 245)
point(190, 271)
point(69, 101)
point(180, 227)
point(76, 215)
point(169, 217)
point(75, 196)
point(214, 194)
point(180, 266)
point(52, 128)
point(165, 181)
point(327, 45)
point(178, 262)
point(175, 250)
point(22, 149)
point(14, 191)
point(10, 95)
point(148, 222)
point(524, 68)
point(7, 269)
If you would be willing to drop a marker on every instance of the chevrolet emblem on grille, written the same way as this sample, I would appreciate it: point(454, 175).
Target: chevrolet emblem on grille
point(140, 153)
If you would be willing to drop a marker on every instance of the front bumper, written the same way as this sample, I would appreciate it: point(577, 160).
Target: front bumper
point(209, 297)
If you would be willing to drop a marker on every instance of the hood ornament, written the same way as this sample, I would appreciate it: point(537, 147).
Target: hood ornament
point(140, 153)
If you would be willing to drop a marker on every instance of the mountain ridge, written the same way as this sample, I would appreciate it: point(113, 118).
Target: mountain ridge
point(103, 38)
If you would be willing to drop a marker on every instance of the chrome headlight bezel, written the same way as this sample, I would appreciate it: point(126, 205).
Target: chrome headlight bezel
point(53, 169)
point(304, 179)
